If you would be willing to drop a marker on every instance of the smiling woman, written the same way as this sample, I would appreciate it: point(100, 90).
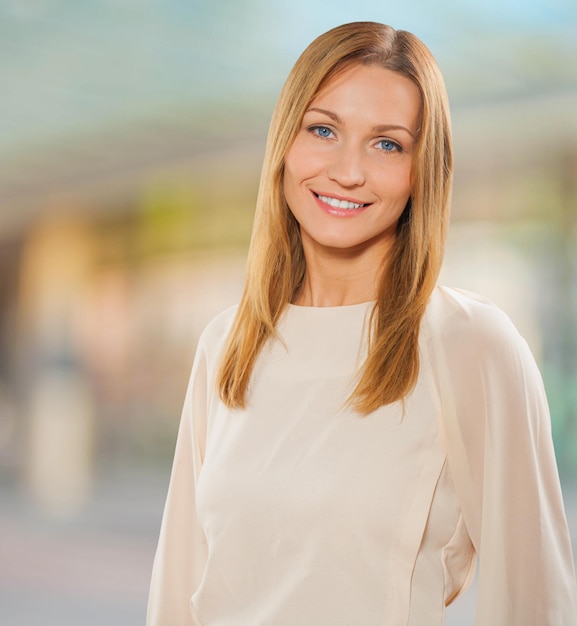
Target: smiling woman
point(347, 179)
point(354, 435)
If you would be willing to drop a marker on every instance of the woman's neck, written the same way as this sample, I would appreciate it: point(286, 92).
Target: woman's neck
point(338, 283)
point(341, 276)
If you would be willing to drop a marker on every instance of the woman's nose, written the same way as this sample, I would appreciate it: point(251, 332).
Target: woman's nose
point(346, 167)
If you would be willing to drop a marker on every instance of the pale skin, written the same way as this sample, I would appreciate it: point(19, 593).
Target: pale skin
point(356, 146)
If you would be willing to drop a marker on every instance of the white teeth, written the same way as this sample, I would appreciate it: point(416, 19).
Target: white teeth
point(340, 204)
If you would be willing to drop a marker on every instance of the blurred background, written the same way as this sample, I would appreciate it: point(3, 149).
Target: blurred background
point(132, 137)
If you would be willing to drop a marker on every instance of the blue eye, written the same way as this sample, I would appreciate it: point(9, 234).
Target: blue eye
point(388, 146)
point(321, 131)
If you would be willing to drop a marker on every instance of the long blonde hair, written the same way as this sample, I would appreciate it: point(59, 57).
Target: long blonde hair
point(276, 264)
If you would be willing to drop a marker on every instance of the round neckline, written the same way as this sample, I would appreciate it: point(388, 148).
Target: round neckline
point(339, 307)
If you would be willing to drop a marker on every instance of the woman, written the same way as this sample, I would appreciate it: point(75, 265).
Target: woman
point(353, 435)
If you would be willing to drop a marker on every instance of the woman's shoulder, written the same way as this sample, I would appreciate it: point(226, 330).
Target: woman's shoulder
point(216, 331)
point(470, 321)
point(481, 350)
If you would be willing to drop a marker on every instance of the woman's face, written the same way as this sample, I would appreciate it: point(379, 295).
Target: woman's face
point(347, 175)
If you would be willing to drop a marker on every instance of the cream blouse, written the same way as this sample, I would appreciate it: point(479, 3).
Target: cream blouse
point(299, 512)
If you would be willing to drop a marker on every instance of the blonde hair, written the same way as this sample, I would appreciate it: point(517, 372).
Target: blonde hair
point(276, 264)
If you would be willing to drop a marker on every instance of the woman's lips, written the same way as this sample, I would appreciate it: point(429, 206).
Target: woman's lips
point(339, 206)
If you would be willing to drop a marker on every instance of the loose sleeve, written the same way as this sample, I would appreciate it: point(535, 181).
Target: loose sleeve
point(181, 553)
point(497, 430)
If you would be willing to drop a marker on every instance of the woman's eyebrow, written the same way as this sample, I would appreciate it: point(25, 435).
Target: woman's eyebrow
point(384, 127)
point(378, 129)
point(330, 114)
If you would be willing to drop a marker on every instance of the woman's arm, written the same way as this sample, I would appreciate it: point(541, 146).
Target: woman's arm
point(497, 428)
point(181, 554)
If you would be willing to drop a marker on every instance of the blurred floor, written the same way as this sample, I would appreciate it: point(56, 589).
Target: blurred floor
point(92, 570)
point(95, 569)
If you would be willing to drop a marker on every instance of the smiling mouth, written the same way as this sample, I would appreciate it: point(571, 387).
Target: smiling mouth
point(340, 204)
